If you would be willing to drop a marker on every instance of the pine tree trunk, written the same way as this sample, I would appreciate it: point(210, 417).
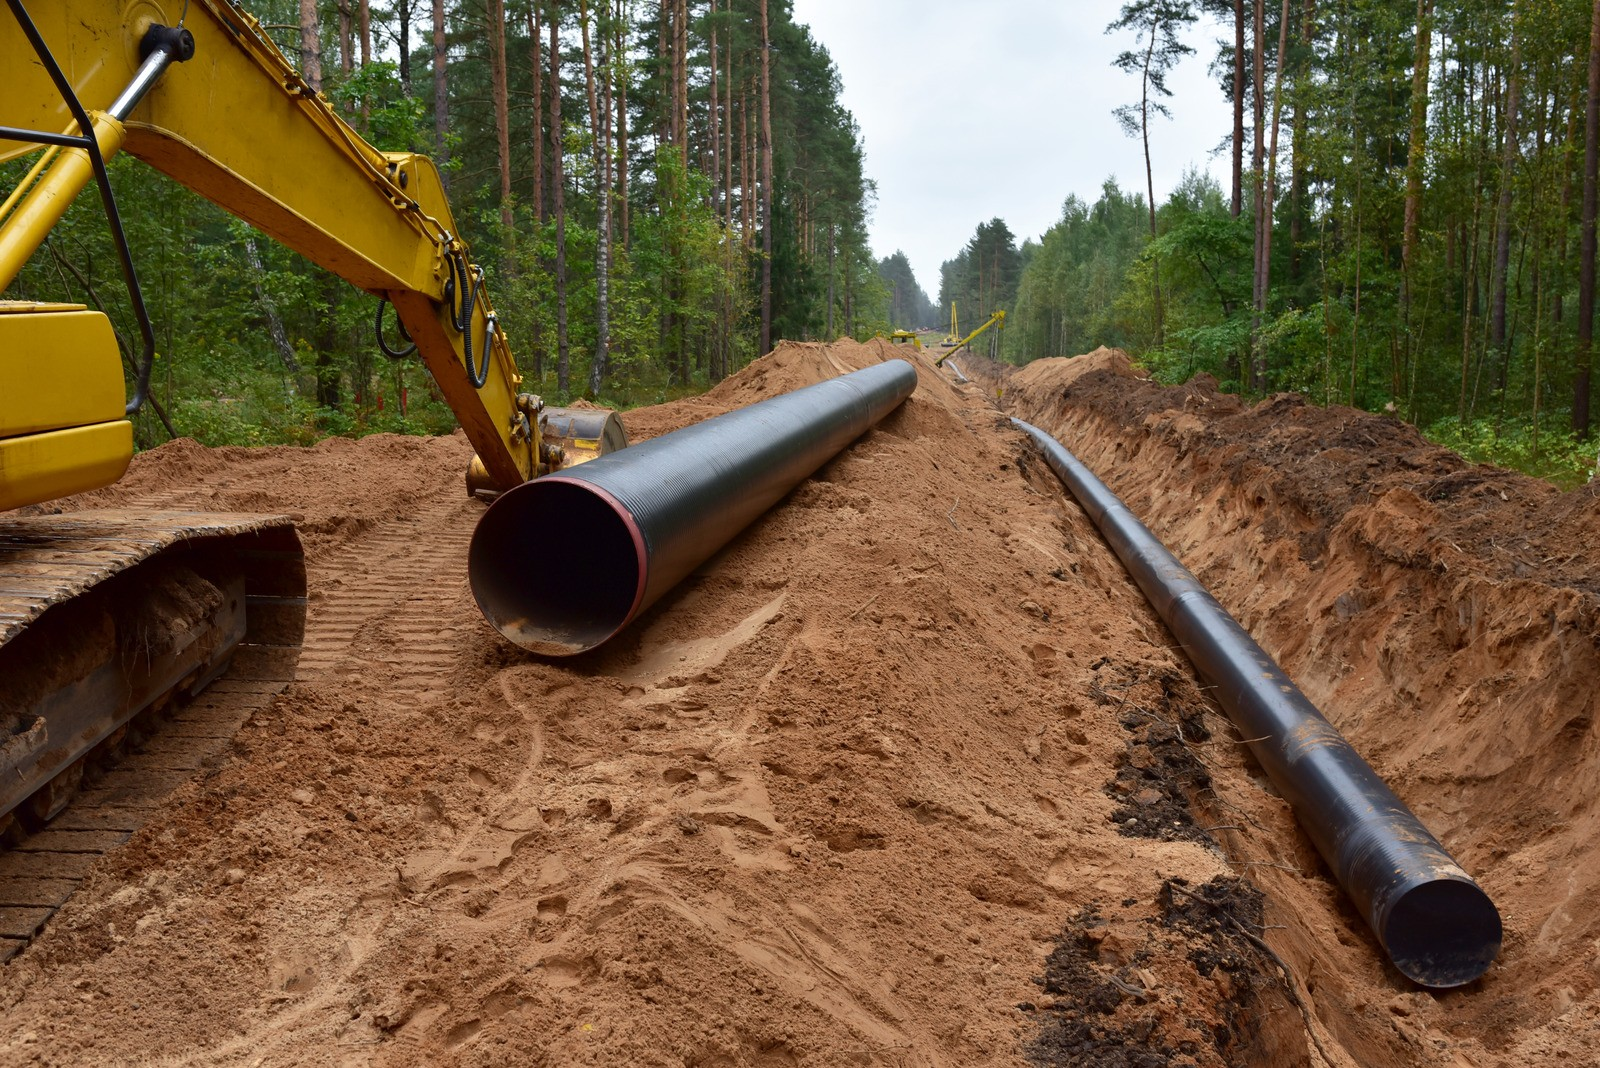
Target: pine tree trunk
point(1238, 108)
point(1297, 128)
point(680, 53)
point(537, 67)
point(747, 196)
point(1149, 177)
point(1417, 146)
point(1415, 152)
point(766, 182)
point(347, 48)
point(727, 143)
point(310, 45)
point(403, 13)
point(712, 96)
point(441, 94)
point(496, 13)
point(1258, 370)
point(620, 51)
point(602, 168)
point(364, 31)
point(1586, 253)
point(558, 182)
point(664, 71)
point(1508, 163)
point(1269, 189)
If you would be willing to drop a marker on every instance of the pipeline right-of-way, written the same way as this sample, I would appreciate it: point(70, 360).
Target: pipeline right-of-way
point(1437, 925)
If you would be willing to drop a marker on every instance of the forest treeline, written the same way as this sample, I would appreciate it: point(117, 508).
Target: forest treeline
point(1408, 224)
point(656, 190)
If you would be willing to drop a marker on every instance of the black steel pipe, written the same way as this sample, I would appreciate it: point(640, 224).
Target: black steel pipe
point(1434, 921)
point(561, 564)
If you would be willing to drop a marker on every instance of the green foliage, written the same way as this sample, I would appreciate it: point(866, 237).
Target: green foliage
point(1351, 314)
point(909, 306)
point(683, 279)
point(392, 120)
point(1068, 293)
point(1556, 454)
point(984, 277)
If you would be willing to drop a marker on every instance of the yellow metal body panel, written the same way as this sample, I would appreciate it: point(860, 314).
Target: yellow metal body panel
point(238, 125)
point(43, 467)
point(60, 369)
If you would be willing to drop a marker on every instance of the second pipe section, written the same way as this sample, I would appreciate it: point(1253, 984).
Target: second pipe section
point(1433, 920)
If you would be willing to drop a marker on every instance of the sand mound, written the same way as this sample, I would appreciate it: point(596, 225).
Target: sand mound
point(908, 774)
point(1044, 377)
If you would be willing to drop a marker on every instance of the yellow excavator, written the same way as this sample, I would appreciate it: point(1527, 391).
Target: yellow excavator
point(104, 614)
point(997, 319)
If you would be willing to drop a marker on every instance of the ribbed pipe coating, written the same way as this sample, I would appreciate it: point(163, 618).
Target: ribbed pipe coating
point(561, 564)
point(1434, 921)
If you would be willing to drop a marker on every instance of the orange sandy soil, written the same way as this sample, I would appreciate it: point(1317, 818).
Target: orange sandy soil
point(909, 774)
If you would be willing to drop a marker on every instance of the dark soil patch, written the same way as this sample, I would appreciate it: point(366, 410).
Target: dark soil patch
point(1159, 773)
point(1183, 988)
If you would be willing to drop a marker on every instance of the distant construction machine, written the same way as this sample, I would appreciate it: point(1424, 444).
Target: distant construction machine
point(998, 319)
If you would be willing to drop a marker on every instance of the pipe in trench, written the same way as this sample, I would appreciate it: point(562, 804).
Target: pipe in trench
point(560, 564)
point(1437, 925)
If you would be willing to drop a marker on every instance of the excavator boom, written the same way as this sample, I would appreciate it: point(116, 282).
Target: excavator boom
point(238, 124)
point(997, 319)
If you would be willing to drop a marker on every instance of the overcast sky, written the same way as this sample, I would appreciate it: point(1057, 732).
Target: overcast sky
point(973, 110)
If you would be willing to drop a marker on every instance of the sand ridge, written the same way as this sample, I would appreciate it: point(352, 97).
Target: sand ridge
point(907, 774)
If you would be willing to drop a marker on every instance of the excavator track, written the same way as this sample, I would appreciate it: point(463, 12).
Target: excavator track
point(110, 620)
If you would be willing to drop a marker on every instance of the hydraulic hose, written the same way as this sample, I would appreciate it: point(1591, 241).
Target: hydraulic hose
point(1437, 925)
point(562, 563)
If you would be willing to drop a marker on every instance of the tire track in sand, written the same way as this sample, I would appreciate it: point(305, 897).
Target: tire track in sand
point(381, 606)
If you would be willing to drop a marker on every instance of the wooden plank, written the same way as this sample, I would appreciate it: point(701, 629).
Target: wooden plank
point(59, 840)
point(247, 686)
point(82, 817)
point(129, 785)
point(71, 866)
point(22, 922)
point(20, 892)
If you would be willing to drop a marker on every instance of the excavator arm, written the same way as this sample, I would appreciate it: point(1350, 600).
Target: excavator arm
point(997, 319)
point(227, 115)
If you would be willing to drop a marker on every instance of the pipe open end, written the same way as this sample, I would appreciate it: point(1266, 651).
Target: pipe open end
point(557, 566)
point(1443, 933)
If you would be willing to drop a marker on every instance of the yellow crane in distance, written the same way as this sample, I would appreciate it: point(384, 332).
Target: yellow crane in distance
point(997, 319)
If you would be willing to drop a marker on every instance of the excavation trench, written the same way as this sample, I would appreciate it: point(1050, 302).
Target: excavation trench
point(1434, 921)
point(1443, 614)
point(907, 754)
